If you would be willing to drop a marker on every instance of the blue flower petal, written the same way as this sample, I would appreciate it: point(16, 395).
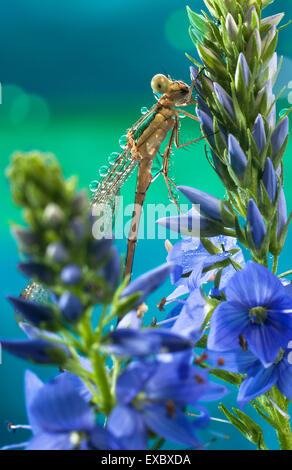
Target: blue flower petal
point(285, 376)
point(58, 407)
point(148, 282)
point(127, 425)
point(133, 379)
point(253, 286)
point(259, 381)
point(32, 385)
point(192, 316)
point(270, 180)
point(175, 428)
point(50, 441)
point(265, 340)
point(237, 361)
point(227, 323)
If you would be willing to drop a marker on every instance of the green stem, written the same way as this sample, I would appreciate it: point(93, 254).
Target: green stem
point(275, 264)
point(286, 273)
point(102, 380)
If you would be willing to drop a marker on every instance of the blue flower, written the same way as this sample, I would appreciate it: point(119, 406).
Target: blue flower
point(148, 282)
point(258, 308)
point(259, 378)
point(190, 258)
point(60, 418)
point(256, 224)
point(139, 343)
point(153, 394)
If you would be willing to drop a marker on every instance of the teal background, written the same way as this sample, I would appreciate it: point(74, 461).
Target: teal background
point(74, 76)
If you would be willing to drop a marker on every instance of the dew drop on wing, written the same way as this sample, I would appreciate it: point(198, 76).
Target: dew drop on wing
point(144, 110)
point(113, 158)
point(93, 185)
point(103, 171)
point(123, 141)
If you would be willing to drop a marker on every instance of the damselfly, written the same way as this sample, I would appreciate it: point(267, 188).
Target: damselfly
point(141, 146)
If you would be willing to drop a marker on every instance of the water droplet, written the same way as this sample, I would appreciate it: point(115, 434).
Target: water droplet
point(113, 157)
point(181, 116)
point(283, 111)
point(93, 185)
point(123, 141)
point(103, 171)
point(144, 110)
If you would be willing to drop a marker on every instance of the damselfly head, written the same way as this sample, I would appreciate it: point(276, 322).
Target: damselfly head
point(160, 84)
point(176, 90)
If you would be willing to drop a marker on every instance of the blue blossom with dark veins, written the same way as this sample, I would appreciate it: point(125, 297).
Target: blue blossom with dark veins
point(258, 308)
point(60, 418)
point(152, 395)
point(259, 378)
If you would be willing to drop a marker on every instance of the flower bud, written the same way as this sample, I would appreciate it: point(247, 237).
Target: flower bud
point(279, 136)
point(71, 274)
point(270, 180)
point(57, 252)
point(256, 224)
point(71, 306)
point(224, 99)
point(231, 27)
point(53, 215)
point(237, 158)
point(259, 133)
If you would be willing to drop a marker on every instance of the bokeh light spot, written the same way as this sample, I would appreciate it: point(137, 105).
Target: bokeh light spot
point(176, 29)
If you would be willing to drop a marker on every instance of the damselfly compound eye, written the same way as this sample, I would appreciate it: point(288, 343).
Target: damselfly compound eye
point(160, 84)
